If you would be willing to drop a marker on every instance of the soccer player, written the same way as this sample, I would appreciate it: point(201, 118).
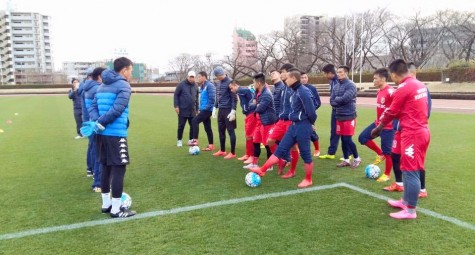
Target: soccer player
point(245, 97)
point(383, 100)
point(330, 74)
point(263, 108)
point(410, 106)
point(226, 103)
point(207, 97)
point(89, 92)
point(186, 105)
point(396, 149)
point(343, 98)
point(317, 102)
point(77, 106)
point(303, 117)
point(110, 110)
point(276, 134)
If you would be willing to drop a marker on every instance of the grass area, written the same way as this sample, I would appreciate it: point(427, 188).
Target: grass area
point(43, 184)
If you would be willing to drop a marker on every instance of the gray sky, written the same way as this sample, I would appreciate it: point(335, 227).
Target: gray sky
point(153, 32)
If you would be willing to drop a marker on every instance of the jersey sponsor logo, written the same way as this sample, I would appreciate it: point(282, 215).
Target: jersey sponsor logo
point(409, 151)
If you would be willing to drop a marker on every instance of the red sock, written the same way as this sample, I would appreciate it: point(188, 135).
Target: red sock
point(373, 146)
point(389, 165)
point(270, 162)
point(316, 144)
point(294, 160)
point(249, 147)
point(308, 171)
point(255, 160)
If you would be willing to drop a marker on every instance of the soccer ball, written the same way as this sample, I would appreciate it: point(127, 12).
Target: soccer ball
point(194, 150)
point(252, 179)
point(372, 171)
point(125, 201)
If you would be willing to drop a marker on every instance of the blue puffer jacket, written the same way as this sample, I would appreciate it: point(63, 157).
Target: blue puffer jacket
point(265, 107)
point(245, 98)
point(343, 99)
point(316, 97)
point(303, 107)
point(277, 95)
point(285, 103)
point(89, 91)
point(207, 96)
point(225, 99)
point(110, 107)
point(333, 83)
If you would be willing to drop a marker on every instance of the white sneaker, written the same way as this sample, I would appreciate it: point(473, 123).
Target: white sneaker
point(250, 166)
point(78, 137)
point(179, 143)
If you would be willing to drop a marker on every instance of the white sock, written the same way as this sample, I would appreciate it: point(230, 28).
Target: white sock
point(423, 190)
point(115, 205)
point(106, 200)
point(347, 160)
point(399, 184)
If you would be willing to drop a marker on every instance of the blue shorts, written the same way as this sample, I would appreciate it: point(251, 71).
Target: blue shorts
point(387, 136)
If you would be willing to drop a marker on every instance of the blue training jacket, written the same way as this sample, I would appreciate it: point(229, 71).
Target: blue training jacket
point(285, 103)
point(303, 107)
point(316, 97)
point(110, 107)
point(89, 91)
point(245, 97)
point(265, 107)
point(343, 99)
point(277, 95)
point(225, 99)
point(207, 96)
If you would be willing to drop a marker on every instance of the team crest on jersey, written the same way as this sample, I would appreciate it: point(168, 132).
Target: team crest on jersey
point(383, 100)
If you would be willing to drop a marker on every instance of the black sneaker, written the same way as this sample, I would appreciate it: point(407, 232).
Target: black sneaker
point(106, 210)
point(123, 213)
point(89, 173)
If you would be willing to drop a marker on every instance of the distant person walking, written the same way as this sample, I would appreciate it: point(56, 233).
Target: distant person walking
point(186, 105)
point(77, 106)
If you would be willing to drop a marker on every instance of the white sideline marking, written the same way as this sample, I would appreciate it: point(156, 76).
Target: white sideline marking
point(419, 209)
point(221, 203)
point(163, 212)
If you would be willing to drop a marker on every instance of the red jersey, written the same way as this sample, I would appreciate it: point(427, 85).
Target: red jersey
point(409, 105)
point(383, 101)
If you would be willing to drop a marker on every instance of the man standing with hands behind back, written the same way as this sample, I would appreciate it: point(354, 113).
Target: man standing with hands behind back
point(186, 105)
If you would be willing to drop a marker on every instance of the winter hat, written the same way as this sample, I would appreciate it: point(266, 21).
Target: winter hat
point(218, 71)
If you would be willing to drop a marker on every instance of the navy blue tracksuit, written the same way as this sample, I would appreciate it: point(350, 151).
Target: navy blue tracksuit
point(303, 116)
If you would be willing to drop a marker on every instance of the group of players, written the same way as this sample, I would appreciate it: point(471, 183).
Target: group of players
point(283, 120)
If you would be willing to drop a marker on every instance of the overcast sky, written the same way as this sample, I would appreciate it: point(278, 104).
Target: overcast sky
point(153, 32)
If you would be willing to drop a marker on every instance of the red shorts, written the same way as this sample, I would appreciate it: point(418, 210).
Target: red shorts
point(396, 148)
point(250, 125)
point(414, 148)
point(279, 130)
point(261, 133)
point(346, 127)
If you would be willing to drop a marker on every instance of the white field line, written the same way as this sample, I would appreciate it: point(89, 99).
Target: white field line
point(221, 203)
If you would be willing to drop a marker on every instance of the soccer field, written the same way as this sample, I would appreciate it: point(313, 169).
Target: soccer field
point(201, 205)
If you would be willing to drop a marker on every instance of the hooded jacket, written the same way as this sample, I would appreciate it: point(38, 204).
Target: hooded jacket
point(110, 106)
point(245, 97)
point(186, 98)
point(88, 93)
point(264, 107)
point(207, 96)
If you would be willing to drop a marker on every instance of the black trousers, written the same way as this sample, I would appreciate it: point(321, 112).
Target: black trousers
point(181, 126)
point(205, 117)
point(223, 125)
point(78, 119)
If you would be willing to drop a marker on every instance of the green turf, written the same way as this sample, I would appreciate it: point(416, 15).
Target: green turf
point(43, 184)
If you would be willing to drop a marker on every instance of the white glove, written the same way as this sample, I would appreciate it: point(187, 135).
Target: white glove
point(213, 115)
point(232, 115)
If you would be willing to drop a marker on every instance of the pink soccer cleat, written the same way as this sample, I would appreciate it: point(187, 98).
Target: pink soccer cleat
point(397, 204)
point(403, 215)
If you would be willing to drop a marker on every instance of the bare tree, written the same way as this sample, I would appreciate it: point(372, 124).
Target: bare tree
point(458, 34)
point(184, 63)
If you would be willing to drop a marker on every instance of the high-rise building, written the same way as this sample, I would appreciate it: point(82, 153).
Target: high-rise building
point(25, 48)
point(78, 69)
point(244, 46)
point(307, 26)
